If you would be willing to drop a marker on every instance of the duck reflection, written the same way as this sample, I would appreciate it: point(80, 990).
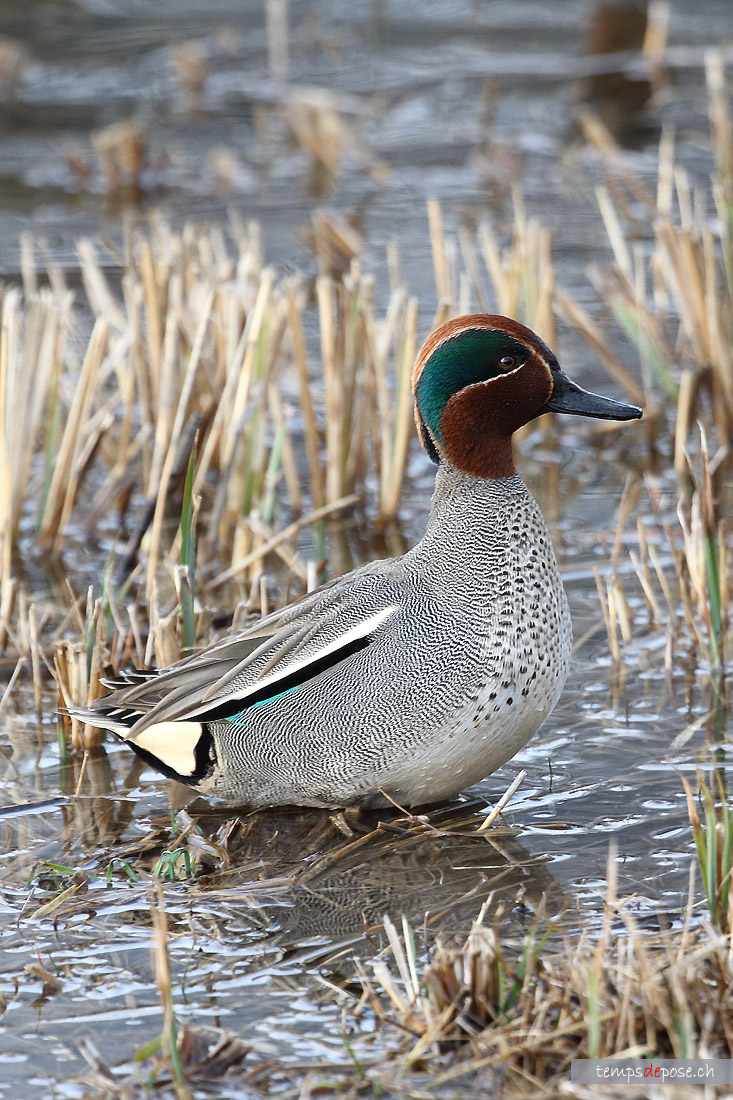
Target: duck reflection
point(434, 869)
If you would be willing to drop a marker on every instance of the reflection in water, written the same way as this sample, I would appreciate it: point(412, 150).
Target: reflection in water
point(436, 874)
point(282, 900)
point(435, 870)
point(289, 897)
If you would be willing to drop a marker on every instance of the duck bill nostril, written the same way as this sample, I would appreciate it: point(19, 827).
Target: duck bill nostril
point(568, 397)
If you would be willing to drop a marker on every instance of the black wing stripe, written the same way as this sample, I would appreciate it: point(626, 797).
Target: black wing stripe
point(229, 707)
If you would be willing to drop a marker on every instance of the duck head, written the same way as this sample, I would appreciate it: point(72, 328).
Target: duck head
point(480, 377)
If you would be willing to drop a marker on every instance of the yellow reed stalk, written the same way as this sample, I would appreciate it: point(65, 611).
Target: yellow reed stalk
point(233, 398)
point(310, 430)
point(101, 299)
point(438, 247)
point(160, 386)
point(28, 272)
point(539, 264)
point(621, 609)
point(642, 573)
point(334, 388)
point(161, 963)
point(720, 119)
point(252, 335)
point(686, 397)
point(167, 646)
point(181, 413)
point(153, 320)
point(612, 621)
point(665, 173)
point(614, 233)
point(628, 501)
point(470, 260)
point(66, 472)
point(31, 346)
point(378, 341)
point(655, 37)
point(575, 315)
point(402, 427)
point(693, 534)
point(361, 408)
point(287, 458)
point(78, 665)
point(608, 619)
point(264, 601)
point(7, 505)
point(491, 256)
point(36, 658)
point(123, 453)
point(8, 593)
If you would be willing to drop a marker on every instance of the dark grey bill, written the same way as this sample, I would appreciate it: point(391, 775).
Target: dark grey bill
point(567, 397)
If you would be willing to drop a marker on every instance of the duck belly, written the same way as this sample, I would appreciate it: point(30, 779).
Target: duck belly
point(482, 736)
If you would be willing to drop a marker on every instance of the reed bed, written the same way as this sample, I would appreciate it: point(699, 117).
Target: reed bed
point(217, 411)
point(201, 338)
point(195, 398)
point(511, 1016)
point(681, 576)
point(672, 295)
point(520, 1015)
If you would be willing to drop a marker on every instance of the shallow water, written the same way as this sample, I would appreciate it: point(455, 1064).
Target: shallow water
point(292, 900)
point(461, 108)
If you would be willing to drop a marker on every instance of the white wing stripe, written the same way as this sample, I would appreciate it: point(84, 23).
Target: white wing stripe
point(361, 630)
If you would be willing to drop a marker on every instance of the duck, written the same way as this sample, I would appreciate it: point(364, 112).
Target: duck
point(410, 678)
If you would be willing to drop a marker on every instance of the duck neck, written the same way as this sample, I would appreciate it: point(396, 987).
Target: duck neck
point(473, 526)
point(458, 493)
point(485, 461)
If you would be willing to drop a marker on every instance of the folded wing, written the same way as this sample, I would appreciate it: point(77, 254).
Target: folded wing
point(275, 656)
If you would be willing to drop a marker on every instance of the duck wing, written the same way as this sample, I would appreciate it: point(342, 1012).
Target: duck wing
point(275, 655)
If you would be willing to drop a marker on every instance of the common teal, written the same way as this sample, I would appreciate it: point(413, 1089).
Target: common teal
point(413, 676)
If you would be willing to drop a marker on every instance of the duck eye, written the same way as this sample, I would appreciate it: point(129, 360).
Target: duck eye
point(507, 362)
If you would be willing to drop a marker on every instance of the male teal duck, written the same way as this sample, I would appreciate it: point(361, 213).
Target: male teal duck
point(411, 677)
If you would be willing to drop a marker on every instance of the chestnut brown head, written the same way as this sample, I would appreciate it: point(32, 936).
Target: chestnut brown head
point(480, 377)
